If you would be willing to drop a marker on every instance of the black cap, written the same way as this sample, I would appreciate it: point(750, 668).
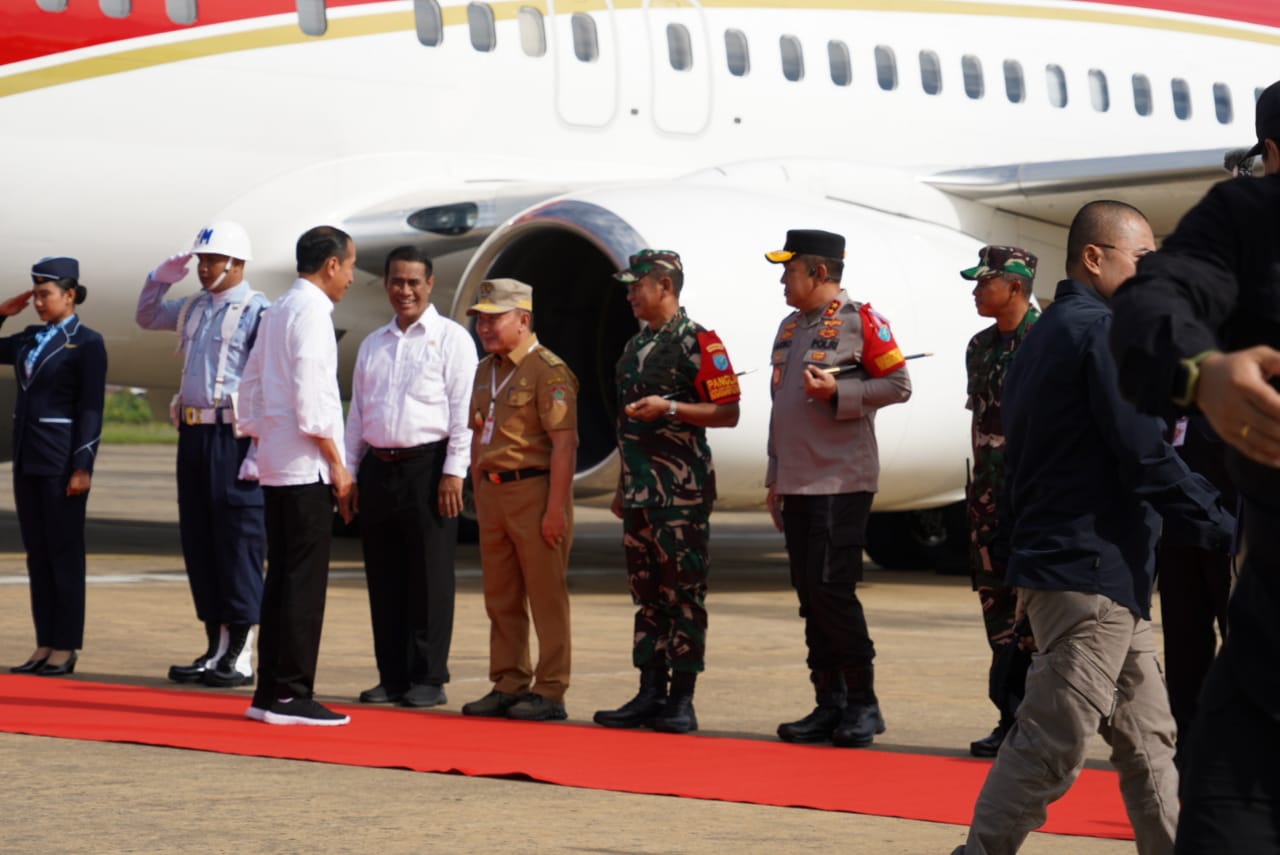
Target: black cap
point(808, 242)
point(1267, 118)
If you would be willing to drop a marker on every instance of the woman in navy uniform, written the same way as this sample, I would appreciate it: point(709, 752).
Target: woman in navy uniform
point(61, 369)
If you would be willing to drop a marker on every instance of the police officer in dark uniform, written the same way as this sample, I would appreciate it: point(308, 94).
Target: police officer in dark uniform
point(61, 368)
point(834, 364)
point(1198, 328)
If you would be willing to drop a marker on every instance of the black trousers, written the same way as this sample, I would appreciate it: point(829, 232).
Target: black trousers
point(299, 527)
point(221, 521)
point(52, 528)
point(408, 565)
point(824, 536)
point(1231, 786)
point(1194, 586)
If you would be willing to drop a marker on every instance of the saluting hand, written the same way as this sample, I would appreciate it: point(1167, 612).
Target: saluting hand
point(450, 496)
point(13, 305)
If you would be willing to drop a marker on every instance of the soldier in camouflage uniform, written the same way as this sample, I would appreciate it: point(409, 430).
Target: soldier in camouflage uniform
point(1004, 275)
point(674, 380)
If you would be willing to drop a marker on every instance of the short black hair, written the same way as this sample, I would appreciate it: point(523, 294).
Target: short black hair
point(317, 245)
point(1097, 223)
point(411, 254)
point(835, 266)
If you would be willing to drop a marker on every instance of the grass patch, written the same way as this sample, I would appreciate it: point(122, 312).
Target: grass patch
point(148, 433)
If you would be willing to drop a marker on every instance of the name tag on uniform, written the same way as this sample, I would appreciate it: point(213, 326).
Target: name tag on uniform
point(1179, 433)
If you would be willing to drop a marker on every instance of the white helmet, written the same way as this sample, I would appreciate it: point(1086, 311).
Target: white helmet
point(223, 237)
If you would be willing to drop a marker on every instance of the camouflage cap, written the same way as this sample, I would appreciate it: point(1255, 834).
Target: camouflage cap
point(647, 261)
point(994, 260)
point(496, 296)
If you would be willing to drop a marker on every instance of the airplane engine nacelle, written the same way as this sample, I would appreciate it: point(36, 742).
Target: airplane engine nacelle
point(569, 247)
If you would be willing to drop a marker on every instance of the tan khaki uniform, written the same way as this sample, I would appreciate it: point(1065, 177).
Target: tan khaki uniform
point(535, 393)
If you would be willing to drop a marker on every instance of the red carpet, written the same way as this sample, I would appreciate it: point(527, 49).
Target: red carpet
point(909, 786)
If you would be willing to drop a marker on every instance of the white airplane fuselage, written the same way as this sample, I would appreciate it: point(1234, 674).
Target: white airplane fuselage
point(118, 152)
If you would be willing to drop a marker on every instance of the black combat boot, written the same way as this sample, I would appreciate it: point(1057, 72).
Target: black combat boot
point(217, 635)
point(862, 720)
point(234, 667)
point(640, 710)
point(678, 715)
point(818, 725)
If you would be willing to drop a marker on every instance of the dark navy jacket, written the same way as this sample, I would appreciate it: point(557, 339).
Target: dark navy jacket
point(1085, 468)
point(57, 421)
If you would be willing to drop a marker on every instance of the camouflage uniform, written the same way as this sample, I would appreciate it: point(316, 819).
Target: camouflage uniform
point(667, 488)
point(986, 360)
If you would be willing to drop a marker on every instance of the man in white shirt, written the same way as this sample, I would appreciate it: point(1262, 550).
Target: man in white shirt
point(409, 443)
point(290, 402)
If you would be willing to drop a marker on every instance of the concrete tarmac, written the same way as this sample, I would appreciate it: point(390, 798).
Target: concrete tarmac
point(67, 796)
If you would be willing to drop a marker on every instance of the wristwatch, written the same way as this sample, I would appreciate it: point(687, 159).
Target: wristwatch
point(671, 409)
point(1186, 379)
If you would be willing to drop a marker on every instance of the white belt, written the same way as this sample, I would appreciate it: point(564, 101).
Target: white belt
point(204, 415)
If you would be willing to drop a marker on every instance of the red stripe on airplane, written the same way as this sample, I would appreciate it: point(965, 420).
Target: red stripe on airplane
point(31, 32)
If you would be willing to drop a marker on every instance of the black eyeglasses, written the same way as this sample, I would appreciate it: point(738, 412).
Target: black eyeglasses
point(1139, 253)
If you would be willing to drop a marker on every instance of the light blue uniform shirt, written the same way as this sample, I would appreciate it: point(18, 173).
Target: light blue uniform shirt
point(202, 337)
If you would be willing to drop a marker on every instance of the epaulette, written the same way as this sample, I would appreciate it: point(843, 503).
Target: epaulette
point(549, 357)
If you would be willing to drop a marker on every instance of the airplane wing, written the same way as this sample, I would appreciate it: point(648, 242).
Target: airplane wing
point(1163, 186)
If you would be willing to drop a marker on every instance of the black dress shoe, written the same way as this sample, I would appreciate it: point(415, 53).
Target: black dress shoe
point(380, 694)
point(424, 695)
point(31, 666)
point(817, 726)
point(493, 705)
point(989, 745)
point(68, 667)
point(534, 707)
point(859, 726)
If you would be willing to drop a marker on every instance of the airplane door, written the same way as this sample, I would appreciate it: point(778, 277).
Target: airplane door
point(680, 56)
point(586, 61)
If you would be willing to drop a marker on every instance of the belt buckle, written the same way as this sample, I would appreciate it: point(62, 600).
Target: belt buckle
point(190, 416)
point(494, 477)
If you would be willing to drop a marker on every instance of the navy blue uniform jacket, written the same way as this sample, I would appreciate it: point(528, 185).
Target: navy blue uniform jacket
point(57, 421)
point(1085, 468)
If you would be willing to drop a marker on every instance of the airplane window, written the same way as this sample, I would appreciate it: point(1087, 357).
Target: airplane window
point(181, 11)
point(792, 58)
point(114, 8)
point(480, 24)
point(1181, 98)
point(533, 32)
point(736, 52)
point(427, 23)
point(586, 45)
point(52, 5)
point(679, 47)
point(1099, 94)
point(1057, 84)
point(886, 68)
point(311, 17)
point(841, 67)
point(972, 68)
point(930, 72)
point(1015, 88)
point(1222, 103)
point(1142, 102)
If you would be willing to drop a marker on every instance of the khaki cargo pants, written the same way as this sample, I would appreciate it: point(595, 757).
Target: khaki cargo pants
point(1096, 672)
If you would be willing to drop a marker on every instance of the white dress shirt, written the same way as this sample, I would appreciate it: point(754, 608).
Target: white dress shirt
point(413, 387)
point(289, 392)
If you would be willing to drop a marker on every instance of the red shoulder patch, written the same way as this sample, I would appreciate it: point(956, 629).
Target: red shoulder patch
point(716, 381)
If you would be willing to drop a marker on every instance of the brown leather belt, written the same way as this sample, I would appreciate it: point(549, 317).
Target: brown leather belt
point(513, 475)
point(395, 455)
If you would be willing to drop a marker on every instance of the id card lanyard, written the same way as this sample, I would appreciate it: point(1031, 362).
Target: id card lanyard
point(486, 435)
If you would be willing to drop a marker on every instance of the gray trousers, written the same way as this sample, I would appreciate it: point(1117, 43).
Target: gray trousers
point(1096, 672)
